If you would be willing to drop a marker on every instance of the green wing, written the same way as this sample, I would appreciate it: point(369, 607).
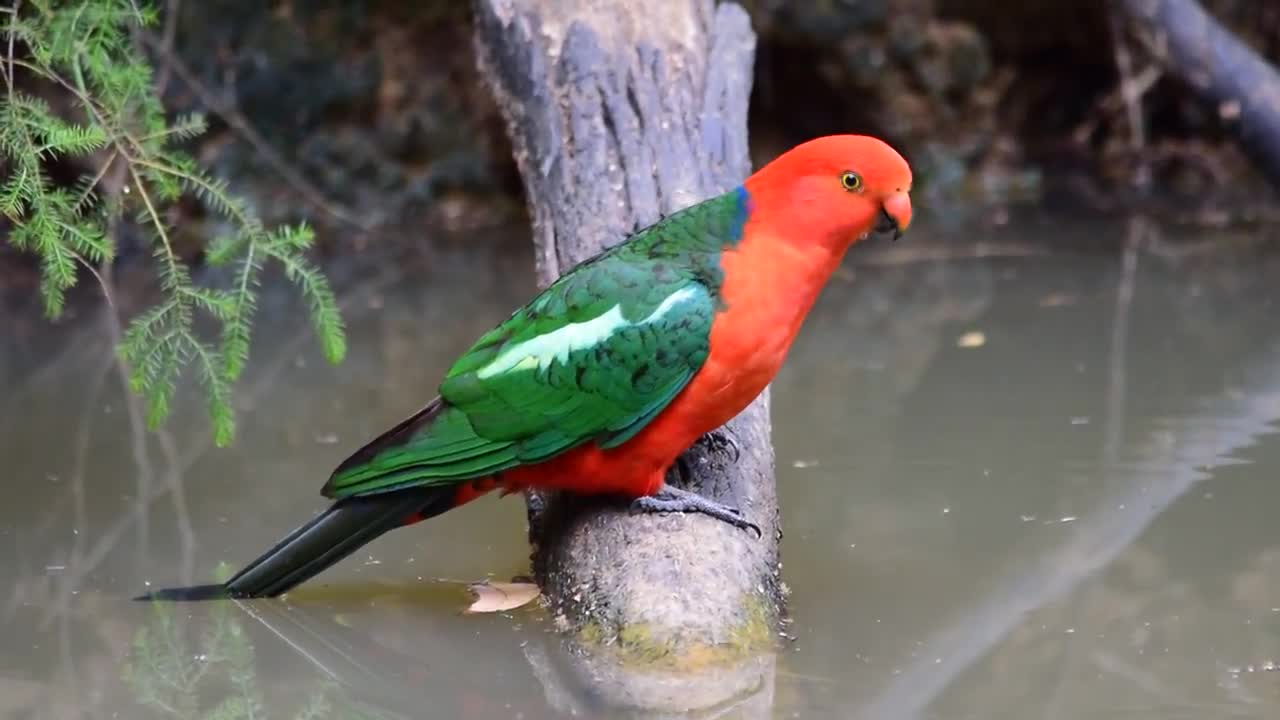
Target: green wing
point(595, 356)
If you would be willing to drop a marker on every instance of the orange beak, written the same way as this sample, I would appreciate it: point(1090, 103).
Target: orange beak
point(898, 209)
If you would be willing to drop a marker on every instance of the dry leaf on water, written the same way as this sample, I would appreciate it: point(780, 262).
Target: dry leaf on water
point(1057, 300)
point(501, 596)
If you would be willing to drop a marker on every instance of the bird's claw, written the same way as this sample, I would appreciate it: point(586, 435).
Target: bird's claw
point(721, 438)
point(670, 499)
point(712, 442)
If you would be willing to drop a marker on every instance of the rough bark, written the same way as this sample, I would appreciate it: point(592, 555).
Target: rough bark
point(619, 114)
point(1221, 68)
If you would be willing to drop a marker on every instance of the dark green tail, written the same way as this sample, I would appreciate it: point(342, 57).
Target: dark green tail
point(333, 535)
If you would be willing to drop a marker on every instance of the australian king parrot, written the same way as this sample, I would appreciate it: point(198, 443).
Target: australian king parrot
point(602, 380)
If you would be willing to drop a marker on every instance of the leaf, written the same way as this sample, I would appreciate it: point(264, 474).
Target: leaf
point(501, 596)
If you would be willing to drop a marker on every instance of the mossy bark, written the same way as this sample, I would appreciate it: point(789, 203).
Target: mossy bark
point(620, 114)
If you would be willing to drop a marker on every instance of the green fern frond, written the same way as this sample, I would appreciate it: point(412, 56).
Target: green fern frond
point(88, 240)
point(184, 127)
point(166, 186)
point(293, 238)
point(34, 111)
point(85, 189)
point(146, 327)
point(69, 139)
point(145, 15)
point(87, 47)
point(220, 304)
point(175, 278)
point(216, 195)
point(236, 328)
point(219, 393)
point(225, 248)
point(17, 192)
point(154, 370)
point(58, 273)
point(325, 316)
point(21, 29)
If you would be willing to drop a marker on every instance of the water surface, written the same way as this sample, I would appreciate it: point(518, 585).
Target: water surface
point(1028, 477)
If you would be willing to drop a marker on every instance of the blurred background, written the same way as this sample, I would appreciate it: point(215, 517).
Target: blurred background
point(377, 107)
point(1026, 455)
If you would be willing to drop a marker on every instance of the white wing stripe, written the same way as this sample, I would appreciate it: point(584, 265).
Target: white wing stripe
point(542, 350)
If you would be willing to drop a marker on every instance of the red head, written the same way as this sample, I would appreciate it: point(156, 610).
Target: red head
point(833, 191)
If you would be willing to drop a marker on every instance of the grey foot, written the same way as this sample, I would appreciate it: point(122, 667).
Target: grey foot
point(672, 499)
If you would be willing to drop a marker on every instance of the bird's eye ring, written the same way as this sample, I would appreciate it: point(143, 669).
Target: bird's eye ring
point(850, 181)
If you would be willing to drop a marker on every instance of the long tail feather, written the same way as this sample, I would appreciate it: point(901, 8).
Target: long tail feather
point(328, 538)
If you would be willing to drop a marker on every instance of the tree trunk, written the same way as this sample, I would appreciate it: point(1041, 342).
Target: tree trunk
point(1221, 68)
point(619, 114)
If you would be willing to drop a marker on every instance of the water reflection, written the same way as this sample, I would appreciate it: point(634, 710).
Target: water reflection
point(191, 667)
point(1173, 459)
point(1069, 513)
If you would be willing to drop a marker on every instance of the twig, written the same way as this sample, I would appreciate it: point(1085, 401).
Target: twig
point(173, 478)
point(1117, 381)
point(106, 292)
point(102, 172)
point(1114, 102)
point(240, 124)
point(172, 8)
point(170, 257)
point(8, 77)
point(1132, 95)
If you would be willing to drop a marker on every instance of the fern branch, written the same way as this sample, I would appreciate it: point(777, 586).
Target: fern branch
point(235, 336)
point(325, 316)
point(214, 192)
point(219, 389)
point(171, 260)
point(86, 48)
point(86, 192)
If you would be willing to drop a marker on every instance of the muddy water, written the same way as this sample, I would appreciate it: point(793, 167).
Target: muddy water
point(1032, 477)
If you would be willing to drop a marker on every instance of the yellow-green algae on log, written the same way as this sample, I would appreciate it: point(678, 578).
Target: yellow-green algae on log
point(635, 645)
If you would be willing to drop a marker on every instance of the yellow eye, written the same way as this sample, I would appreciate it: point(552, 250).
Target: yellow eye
point(850, 181)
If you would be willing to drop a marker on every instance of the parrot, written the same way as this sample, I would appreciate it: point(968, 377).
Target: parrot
point(600, 382)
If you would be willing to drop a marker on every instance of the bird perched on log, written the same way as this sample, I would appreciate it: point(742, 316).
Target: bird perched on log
point(603, 379)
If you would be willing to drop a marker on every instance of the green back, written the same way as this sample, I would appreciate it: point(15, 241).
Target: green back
point(594, 357)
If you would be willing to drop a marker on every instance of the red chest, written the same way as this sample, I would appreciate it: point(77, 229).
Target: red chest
point(768, 289)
